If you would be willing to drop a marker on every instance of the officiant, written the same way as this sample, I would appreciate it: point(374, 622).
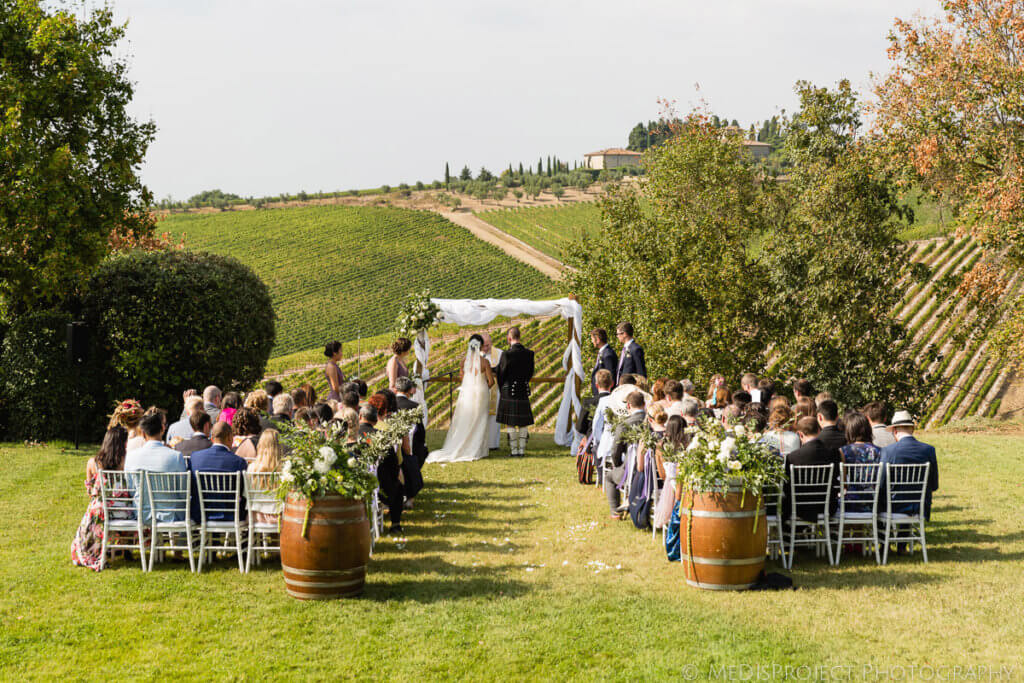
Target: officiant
point(493, 354)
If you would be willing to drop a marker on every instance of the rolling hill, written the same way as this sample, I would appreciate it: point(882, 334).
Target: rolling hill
point(340, 272)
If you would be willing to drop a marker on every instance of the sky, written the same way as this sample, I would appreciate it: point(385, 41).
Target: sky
point(259, 97)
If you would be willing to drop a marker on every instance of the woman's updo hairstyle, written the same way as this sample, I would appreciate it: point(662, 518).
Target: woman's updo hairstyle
point(400, 346)
point(331, 348)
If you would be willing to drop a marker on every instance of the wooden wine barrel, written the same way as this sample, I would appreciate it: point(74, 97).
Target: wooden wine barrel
point(727, 551)
point(330, 561)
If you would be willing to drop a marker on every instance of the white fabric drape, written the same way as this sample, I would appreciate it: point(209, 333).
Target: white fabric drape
point(421, 348)
point(482, 311)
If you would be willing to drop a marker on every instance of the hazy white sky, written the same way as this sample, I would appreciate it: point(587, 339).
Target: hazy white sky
point(260, 97)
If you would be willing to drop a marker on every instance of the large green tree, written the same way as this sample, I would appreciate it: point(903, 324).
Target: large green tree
point(69, 151)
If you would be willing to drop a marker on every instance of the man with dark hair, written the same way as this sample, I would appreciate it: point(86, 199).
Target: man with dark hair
point(392, 493)
point(153, 456)
point(828, 416)
point(742, 399)
point(811, 452)
point(876, 414)
point(216, 458)
point(767, 389)
point(200, 438)
point(411, 466)
point(606, 358)
point(801, 387)
point(631, 360)
point(515, 370)
point(350, 399)
point(626, 379)
point(588, 417)
point(674, 393)
point(615, 465)
point(361, 388)
point(273, 388)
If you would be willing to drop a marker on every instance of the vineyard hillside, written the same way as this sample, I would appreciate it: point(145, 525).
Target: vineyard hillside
point(340, 272)
point(973, 380)
point(549, 229)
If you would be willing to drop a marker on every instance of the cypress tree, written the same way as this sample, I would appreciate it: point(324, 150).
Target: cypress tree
point(520, 168)
point(540, 167)
point(447, 175)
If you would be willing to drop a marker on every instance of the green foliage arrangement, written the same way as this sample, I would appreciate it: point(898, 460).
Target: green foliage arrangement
point(417, 313)
point(37, 390)
point(320, 464)
point(720, 457)
point(163, 321)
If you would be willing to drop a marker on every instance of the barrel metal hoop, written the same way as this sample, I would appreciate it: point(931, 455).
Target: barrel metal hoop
point(326, 522)
point(711, 514)
point(719, 586)
point(322, 584)
point(322, 572)
point(319, 596)
point(722, 562)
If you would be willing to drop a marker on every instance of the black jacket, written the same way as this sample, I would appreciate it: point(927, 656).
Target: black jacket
point(419, 432)
point(588, 409)
point(832, 437)
point(814, 452)
point(606, 360)
point(619, 447)
point(515, 370)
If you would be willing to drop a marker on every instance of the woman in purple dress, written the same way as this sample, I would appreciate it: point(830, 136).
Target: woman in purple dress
point(335, 377)
point(396, 364)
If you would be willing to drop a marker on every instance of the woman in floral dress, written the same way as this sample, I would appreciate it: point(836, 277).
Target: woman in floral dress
point(86, 549)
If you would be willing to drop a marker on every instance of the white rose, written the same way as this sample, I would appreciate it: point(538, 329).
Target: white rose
point(714, 444)
point(287, 477)
point(728, 444)
point(740, 430)
point(287, 468)
point(352, 462)
point(723, 457)
point(322, 466)
point(735, 464)
point(327, 453)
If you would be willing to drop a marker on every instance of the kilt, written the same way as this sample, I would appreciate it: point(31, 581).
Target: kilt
point(514, 412)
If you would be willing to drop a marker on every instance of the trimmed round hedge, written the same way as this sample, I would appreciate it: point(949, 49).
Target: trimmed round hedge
point(166, 321)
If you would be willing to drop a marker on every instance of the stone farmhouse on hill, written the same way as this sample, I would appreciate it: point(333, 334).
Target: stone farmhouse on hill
point(613, 157)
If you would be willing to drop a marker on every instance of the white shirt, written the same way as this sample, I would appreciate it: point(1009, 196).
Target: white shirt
point(674, 408)
point(603, 431)
point(755, 395)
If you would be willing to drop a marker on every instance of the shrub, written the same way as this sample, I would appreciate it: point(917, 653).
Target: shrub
point(166, 321)
point(37, 388)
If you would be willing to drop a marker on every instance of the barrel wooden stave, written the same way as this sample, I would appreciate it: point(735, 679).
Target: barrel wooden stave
point(728, 553)
point(330, 561)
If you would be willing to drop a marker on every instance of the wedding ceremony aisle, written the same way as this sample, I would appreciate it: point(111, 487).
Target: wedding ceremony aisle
point(509, 569)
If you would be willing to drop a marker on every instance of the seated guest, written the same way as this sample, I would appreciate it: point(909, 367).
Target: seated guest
point(361, 388)
point(779, 436)
point(875, 413)
point(87, 547)
point(719, 395)
point(299, 398)
point(805, 408)
point(778, 401)
point(258, 402)
point(350, 400)
point(153, 456)
point(283, 408)
point(615, 466)
point(741, 399)
point(730, 415)
point(667, 512)
point(199, 440)
point(748, 384)
point(129, 414)
point(310, 393)
point(690, 391)
point(822, 396)
point(228, 405)
point(273, 388)
point(306, 416)
point(658, 391)
point(906, 451)
point(802, 389)
point(767, 389)
point(211, 401)
point(350, 418)
point(387, 468)
point(656, 419)
point(404, 389)
point(182, 429)
point(828, 416)
point(600, 429)
point(324, 413)
point(217, 458)
point(674, 397)
point(246, 426)
point(859, 451)
point(588, 406)
point(269, 458)
point(811, 452)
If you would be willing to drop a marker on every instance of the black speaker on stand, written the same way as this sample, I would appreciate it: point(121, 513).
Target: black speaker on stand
point(77, 353)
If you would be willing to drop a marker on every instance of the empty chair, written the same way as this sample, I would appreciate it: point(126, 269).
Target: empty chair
point(810, 489)
point(169, 500)
point(121, 496)
point(220, 514)
point(902, 510)
point(261, 496)
point(858, 500)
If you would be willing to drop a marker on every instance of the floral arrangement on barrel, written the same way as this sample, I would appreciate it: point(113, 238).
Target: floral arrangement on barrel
point(321, 463)
point(416, 315)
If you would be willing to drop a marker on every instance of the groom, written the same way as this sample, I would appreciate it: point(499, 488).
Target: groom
point(515, 370)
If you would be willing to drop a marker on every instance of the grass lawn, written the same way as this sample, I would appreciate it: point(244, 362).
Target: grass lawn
point(511, 571)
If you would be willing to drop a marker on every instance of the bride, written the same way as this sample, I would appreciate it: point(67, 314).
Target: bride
point(467, 434)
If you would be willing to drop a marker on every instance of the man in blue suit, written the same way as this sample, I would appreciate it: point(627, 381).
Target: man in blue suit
point(631, 360)
point(217, 458)
point(909, 451)
point(606, 358)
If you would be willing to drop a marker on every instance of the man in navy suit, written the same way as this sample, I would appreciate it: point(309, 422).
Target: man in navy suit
point(217, 458)
point(909, 451)
point(606, 358)
point(631, 361)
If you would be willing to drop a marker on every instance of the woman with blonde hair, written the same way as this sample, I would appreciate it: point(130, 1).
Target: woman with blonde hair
point(779, 436)
point(269, 456)
point(128, 414)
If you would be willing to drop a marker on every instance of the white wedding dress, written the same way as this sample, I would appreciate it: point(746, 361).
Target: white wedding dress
point(467, 435)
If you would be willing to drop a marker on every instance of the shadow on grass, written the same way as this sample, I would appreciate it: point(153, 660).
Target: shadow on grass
point(455, 581)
